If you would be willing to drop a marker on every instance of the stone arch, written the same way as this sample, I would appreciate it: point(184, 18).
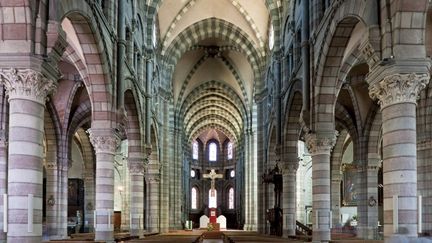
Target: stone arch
point(133, 128)
point(291, 125)
point(274, 8)
point(94, 57)
point(221, 29)
point(337, 37)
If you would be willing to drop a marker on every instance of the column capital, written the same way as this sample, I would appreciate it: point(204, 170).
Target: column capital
point(289, 168)
point(104, 141)
point(27, 84)
point(136, 167)
point(399, 88)
point(153, 178)
point(320, 143)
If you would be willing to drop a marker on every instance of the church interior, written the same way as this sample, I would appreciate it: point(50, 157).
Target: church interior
point(224, 120)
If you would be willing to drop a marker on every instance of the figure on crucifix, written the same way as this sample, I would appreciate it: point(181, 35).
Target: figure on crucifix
point(212, 206)
point(212, 175)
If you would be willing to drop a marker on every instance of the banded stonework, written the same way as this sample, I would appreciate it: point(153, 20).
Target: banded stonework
point(320, 147)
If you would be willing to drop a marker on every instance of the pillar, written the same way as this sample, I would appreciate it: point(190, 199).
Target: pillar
point(136, 170)
point(105, 143)
point(3, 179)
point(27, 90)
point(289, 208)
point(319, 146)
point(397, 94)
point(89, 198)
point(335, 201)
point(153, 214)
point(62, 213)
point(52, 193)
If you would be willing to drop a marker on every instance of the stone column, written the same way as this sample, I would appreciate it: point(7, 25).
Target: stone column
point(371, 199)
point(397, 94)
point(136, 170)
point(62, 203)
point(89, 198)
point(52, 193)
point(3, 179)
point(335, 201)
point(153, 179)
point(105, 143)
point(27, 90)
point(319, 146)
point(289, 199)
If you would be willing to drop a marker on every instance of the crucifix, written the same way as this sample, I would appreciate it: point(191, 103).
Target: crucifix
point(212, 175)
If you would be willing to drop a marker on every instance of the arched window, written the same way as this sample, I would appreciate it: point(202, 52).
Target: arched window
point(212, 151)
point(231, 198)
point(212, 198)
point(230, 151)
point(195, 150)
point(194, 198)
point(271, 37)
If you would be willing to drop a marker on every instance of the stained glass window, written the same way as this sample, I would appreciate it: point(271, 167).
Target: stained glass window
point(194, 198)
point(230, 150)
point(212, 151)
point(231, 198)
point(212, 198)
point(195, 150)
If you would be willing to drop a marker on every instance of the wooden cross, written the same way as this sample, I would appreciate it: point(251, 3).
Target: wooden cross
point(212, 175)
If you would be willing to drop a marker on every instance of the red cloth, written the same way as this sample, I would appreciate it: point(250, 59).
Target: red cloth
point(213, 216)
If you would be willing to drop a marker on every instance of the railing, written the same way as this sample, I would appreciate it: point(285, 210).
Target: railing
point(302, 229)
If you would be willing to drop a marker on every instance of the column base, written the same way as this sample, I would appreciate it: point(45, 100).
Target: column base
point(321, 235)
point(368, 233)
point(287, 233)
point(106, 236)
point(20, 239)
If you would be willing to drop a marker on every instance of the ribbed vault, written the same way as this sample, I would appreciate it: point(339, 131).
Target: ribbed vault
point(214, 54)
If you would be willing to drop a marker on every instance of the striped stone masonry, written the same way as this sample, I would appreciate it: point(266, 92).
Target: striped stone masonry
point(3, 179)
point(397, 95)
point(136, 171)
point(52, 192)
point(105, 143)
point(320, 146)
point(153, 185)
point(27, 90)
point(289, 197)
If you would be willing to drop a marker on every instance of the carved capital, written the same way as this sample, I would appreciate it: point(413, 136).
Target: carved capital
point(399, 88)
point(290, 168)
point(153, 178)
point(136, 168)
point(319, 144)
point(104, 142)
point(27, 84)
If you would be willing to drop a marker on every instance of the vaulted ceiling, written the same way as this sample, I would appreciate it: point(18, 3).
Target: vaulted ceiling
point(215, 52)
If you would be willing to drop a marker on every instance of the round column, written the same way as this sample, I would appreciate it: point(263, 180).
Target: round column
point(27, 90)
point(3, 179)
point(52, 192)
point(319, 146)
point(289, 199)
point(153, 214)
point(105, 144)
point(136, 170)
point(397, 95)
